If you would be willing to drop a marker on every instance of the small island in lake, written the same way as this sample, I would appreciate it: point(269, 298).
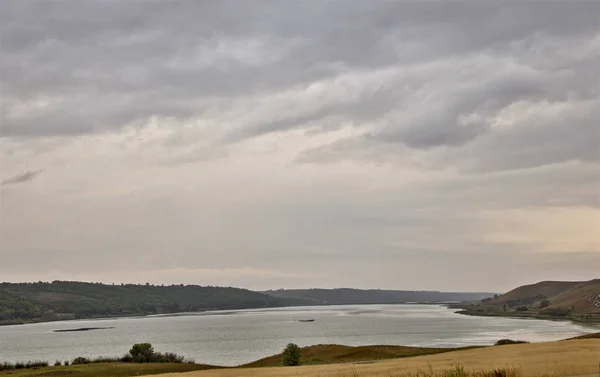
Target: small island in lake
point(84, 329)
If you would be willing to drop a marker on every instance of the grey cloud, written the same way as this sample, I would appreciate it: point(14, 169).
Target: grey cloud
point(440, 130)
point(556, 130)
point(565, 137)
point(114, 63)
point(24, 177)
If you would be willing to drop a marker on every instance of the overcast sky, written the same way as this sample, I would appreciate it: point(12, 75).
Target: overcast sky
point(270, 144)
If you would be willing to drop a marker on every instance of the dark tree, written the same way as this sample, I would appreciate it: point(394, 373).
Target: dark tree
point(142, 352)
point(291, 355)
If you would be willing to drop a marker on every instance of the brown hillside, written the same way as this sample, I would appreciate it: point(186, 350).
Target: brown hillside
point(572, 296)
point(580, 297)
point(534, 292)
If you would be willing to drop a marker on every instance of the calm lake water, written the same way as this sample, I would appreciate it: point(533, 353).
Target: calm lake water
point(236, 337)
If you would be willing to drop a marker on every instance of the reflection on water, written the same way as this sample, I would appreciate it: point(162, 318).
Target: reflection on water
point(238, 336)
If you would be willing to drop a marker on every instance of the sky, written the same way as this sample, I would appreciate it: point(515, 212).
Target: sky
point(427, 145)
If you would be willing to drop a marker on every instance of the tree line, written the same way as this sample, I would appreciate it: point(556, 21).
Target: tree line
point(24, 302)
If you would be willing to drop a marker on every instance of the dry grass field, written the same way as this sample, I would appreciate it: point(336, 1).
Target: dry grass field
point(557, 359)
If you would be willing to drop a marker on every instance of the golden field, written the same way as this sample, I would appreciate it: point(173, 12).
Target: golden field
point(557, 359)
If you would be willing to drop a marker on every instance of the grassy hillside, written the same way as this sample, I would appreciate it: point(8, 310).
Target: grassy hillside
point(28, 302)
point(547, 299)
point(342, 296)
point(534, 292)
point(333, 353)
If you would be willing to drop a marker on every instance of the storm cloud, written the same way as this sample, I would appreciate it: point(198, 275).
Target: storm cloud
point(293, 144)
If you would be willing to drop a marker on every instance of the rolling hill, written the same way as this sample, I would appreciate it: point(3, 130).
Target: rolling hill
point(31, 302)
point(576, 300)
point(35, 302)
point(348, 296)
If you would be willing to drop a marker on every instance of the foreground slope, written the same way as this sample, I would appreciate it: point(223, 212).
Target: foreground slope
point(562, 358)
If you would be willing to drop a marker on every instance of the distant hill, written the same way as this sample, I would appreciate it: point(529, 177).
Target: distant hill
point(30, 302)
point(34, 302)
point(343, 296)
point(576, 300)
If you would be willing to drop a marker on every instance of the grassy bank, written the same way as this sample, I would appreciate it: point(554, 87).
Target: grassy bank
point(107, 369)
point(312, 355)
point(583, 319)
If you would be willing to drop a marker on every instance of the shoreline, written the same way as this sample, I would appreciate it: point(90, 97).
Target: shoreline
point(316, 355)
point(140, 315)
point(459, 308)
point(337, 354)
point(594, 322)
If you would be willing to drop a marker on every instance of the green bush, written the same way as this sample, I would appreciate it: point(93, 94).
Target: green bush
point(6, 366)
point(105, 359)
point(168, 357)
point(80, 360)
point(142, 353)
point(557, 312)
point(36, 364)
point(139, 353)
point(291, 355)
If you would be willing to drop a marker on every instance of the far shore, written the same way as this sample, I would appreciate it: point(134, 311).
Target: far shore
point(138, 315)
point(593, 321)
point(461, 308)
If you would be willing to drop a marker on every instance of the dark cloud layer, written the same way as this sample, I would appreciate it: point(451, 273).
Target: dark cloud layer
point(104, 64)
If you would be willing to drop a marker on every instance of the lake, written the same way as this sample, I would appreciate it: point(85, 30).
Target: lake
point(241, 336)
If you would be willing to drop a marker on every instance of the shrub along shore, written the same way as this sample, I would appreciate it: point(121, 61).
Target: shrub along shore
point(139, 353)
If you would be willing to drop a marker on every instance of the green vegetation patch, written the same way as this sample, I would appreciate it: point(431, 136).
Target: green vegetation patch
point(333, 354)
point(107, 369)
